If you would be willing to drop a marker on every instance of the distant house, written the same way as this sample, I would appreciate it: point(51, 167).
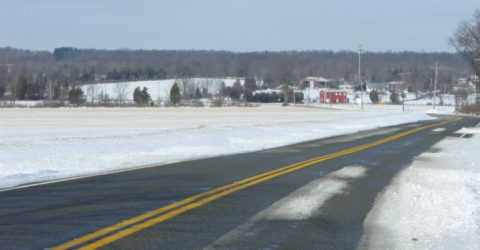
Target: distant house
point(333, 96)
point(347, 87)
point(376, 86)
point(313, 82)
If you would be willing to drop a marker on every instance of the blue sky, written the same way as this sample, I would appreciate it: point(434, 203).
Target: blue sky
point(242, 25)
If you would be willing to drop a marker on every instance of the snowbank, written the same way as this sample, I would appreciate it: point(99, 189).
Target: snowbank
point(47, 144)
point(433, 204)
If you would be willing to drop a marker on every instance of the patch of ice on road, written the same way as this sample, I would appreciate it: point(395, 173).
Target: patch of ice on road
point(306, 201)
point(299, 205)
point(302, 204)
point(355, 171)
point(433, 204)
point(439, 130)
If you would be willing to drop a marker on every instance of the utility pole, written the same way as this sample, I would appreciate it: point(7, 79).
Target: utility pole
point(359, 74)
point(403, 90)
point(477, 84)
point(294, 99)
point(50, 92)
point(435, 85)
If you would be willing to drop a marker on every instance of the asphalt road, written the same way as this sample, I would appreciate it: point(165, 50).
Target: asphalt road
point(220, 215)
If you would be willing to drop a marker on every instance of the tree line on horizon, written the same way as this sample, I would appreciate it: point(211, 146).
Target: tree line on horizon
point(43, 74)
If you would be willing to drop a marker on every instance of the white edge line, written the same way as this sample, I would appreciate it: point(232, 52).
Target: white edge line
point(109, 172)
point(82, 177)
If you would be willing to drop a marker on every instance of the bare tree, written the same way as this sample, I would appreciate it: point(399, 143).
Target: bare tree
point(461, 96)
point(466, 40)
point(92, 90)
point(13, 95)
point(284, 74)
point(187, 88)
point(103, 98)
point(121, 91)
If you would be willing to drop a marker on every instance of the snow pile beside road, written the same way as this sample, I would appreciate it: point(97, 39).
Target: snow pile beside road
point(48, 144)
point(433, 204)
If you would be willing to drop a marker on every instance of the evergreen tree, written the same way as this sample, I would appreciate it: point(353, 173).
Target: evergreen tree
point(75, 96)
point(249, 96)
point(250, 84)
point(34, 92)
point(141, 97)
point(175, 94)
point(374, 96)
point(21, 87)
point(137, 93)
point(205, 92)
point(145, 95)
point(64, 53)
point(236, 91)
point(394, 98)
point(299, 97)
point(223, 90)
point(198, 93)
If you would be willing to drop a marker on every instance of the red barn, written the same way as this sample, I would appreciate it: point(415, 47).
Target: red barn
point(333, 96)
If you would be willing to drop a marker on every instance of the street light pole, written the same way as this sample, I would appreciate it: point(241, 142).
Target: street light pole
point(359, 74)
point(478, 79)
point(435, 86)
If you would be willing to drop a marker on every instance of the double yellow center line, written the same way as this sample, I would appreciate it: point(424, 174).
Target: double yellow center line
point(115, 232)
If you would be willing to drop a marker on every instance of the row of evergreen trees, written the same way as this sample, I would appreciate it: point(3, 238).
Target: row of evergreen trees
point(275, 97)
point(394, 97)
point(141, 96)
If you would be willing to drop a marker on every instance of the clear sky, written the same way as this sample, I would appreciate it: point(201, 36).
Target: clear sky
point(241, 25)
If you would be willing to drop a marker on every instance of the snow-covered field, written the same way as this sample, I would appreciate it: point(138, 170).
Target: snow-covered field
point(48, 144)
point(434, 203)
point(159, 90)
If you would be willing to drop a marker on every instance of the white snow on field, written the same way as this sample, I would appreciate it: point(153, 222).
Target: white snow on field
point(159, 89)
point(434, 203)
point(48, 144)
